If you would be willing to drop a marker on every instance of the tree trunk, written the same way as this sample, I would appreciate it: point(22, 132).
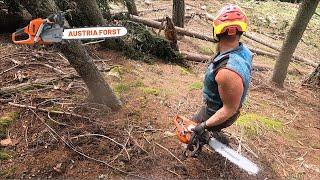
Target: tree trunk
point(178, 13)
point(131, 6)
point(91, 11)
point(300, 23)
point(77, 57)
point(314, 78)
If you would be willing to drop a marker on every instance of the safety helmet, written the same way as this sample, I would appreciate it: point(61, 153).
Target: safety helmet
point(230, 19)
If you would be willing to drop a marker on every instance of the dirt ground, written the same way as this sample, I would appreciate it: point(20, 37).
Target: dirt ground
point(278, 129)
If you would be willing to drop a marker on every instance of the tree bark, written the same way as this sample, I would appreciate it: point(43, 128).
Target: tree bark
point(131, 6)
point(314, 78)
point(178, 13)
point(91, 11)
point(296, 31)
point(77, 57)
point(12, 16)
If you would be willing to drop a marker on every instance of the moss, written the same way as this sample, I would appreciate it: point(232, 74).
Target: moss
point(56, 108)
point(196, 86)
point(254, 123)
point(152, 91)
point(184, 71)
point(137, 83)
point(4, 155)
point(291, 136)
point(122, 87)
point(6, 120)
point(8, 173)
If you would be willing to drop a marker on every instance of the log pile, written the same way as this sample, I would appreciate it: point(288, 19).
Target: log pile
point(182, 31)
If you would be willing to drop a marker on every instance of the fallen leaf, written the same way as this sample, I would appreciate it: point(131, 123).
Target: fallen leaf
point(8, 142)
point(58, 167)
point(168, 134)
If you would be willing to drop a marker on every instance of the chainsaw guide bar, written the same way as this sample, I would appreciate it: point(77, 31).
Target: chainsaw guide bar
point(184, 133)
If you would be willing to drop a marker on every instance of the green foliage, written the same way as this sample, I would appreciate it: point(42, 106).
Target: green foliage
point(255, 123)
point(184, 71)
point(4, 155)
point(8, 173)
point(196, 86)
point(140, 43)
point(123, 87)
point(152, 91)
point(6, 120)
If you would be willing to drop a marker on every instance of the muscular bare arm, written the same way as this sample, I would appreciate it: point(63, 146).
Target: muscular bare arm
point(230, 88)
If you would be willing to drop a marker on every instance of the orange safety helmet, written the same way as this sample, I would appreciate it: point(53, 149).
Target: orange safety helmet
point(230, 19)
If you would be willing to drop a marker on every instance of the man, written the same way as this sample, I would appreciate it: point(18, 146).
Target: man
point(227, 77)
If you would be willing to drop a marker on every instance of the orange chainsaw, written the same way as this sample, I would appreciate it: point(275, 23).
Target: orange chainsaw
point(51, 30)
point(185, 135)
point(184, 128)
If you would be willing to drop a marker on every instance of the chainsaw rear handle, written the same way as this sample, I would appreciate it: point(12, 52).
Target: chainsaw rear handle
point(20, 32)
point(29, 31)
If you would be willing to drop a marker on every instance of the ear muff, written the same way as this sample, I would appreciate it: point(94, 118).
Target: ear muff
point(216, 39)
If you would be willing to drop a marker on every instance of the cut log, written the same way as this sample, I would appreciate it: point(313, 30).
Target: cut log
point(314, 79)
point(183, 31)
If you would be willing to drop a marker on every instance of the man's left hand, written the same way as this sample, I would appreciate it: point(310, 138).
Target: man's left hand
point(200, 128)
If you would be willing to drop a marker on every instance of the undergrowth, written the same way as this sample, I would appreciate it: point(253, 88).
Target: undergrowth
point(6, 120)
point(196, 86)
point(254, 123)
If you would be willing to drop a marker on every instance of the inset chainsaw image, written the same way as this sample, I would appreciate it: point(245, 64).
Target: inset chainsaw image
point(185, 135)
point(51, 30)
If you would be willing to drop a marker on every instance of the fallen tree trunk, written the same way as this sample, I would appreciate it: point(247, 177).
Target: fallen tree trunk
point(314, 79)
point(204, 58)
point(183, 31)
point(269, 45)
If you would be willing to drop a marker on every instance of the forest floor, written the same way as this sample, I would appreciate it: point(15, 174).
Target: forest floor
point(278, 129)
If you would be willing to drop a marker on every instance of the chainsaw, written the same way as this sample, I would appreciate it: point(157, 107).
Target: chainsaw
point(51, 30)
point(185, 135)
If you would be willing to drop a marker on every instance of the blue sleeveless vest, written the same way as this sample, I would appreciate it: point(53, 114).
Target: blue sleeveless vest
point(238, 60)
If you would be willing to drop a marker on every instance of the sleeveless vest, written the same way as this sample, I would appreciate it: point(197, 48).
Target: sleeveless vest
point(238, 60)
